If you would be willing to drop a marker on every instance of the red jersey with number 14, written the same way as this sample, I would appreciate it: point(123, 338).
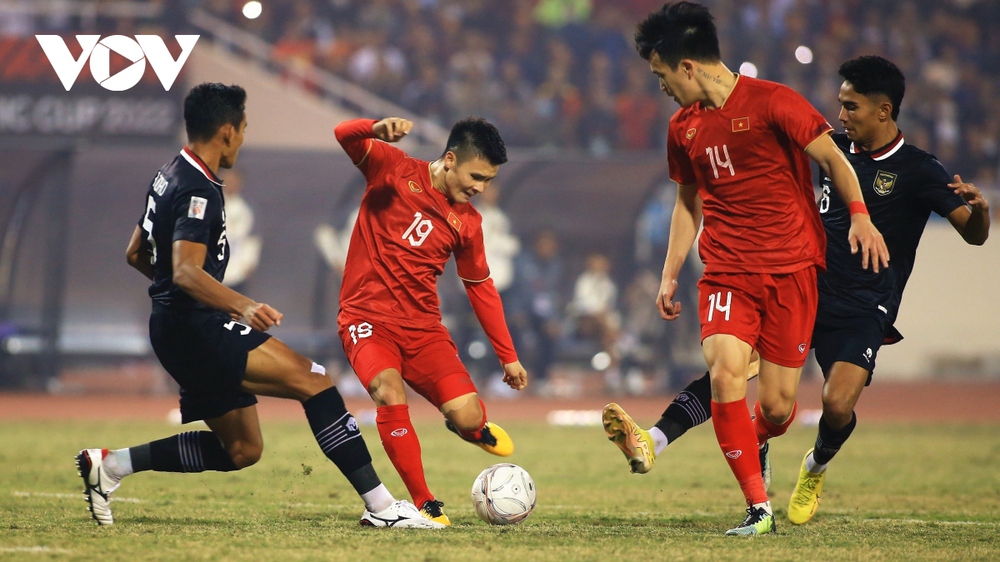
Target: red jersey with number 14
point(405, 233)
point(754, 178)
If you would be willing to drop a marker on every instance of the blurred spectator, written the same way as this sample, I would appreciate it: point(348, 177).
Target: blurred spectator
point(244, 246)
point(559, 13)
point(536, 311)
point(598, 123)
point(637, 110)
point(502, 246)
point(593, 314)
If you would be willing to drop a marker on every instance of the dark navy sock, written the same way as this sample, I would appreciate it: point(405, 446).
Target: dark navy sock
point(192, 451)
point(693, 406)
point(830, 440)
point(338, 436)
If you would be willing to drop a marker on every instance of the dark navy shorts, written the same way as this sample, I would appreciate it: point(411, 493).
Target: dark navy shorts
point(853, 339)
point(205, 351)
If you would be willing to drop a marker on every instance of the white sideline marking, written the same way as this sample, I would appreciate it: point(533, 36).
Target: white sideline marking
point(574, 418)
point(21, 494)
point(35, 549)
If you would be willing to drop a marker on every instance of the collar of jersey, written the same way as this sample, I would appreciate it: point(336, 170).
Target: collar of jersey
point(884, 152)
point(199, 165)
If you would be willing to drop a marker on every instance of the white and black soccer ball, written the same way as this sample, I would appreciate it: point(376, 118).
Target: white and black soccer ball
point(503, 494)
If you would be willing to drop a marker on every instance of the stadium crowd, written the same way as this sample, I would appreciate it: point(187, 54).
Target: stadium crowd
point(563, 72)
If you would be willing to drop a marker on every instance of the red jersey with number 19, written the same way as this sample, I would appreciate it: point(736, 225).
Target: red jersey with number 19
point(754, 179)
point(405, 233)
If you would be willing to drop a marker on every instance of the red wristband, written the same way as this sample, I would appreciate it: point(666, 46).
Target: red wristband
point(856, 207)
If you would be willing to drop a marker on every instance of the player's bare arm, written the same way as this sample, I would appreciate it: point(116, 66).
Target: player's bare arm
point(515, 376)
point(134, 254)
point(392, 129)
point(188, 258)
point(972, 222)
point(863, 234)
point(683, 229)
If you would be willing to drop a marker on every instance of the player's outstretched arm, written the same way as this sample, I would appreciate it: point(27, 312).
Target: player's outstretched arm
point(193, 280)
point(392, 129)
point(863, 234)
point(683, 229)
point(488, 307)
point(972, 222)
point(136, 257)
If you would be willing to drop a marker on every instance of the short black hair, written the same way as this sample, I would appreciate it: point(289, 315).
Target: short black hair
point(477, 138)
point(211, 105)
point(871, 76)
point(678, 30)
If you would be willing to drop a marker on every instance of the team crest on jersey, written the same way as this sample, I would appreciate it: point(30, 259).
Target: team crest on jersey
point(741, 124)
point(690, 133)
point(884, 182)
point(414, 187)
point(196, 208)
point(454, 222)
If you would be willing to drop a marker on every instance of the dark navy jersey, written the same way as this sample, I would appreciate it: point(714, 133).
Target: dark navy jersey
point(184, 202)
point(901, 185)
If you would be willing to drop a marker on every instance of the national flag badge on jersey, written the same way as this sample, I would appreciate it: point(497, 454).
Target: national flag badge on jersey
point(454, 222)
point(196, 208)
point(741, 124)
point(884, 182)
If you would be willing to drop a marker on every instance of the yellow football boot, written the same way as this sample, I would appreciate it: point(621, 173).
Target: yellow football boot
point(634, 441)
point(493, 439)
point(805, 499)
point(432, 510)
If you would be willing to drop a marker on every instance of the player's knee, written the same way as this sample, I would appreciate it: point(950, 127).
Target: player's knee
point(777, 411)
point(245, 454)
point(387, 390)
point(469, 418)
point(837, 410)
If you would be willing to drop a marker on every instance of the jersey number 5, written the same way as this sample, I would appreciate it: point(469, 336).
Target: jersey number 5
point(824, 201)
point(147, 225)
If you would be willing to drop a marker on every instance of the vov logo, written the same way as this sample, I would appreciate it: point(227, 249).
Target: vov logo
point(139, 50)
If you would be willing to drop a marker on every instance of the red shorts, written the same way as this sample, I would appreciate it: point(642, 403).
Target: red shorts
point(774, 313)
point(426, 357)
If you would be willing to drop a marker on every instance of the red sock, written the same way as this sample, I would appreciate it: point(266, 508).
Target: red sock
point(765, 429)
point(735, 433)
point(476, 435)
point(401, 444)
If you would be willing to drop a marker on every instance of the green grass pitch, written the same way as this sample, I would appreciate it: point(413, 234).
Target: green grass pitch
point(897, 492)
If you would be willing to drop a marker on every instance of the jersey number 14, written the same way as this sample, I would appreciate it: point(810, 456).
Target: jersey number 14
point(717, 162)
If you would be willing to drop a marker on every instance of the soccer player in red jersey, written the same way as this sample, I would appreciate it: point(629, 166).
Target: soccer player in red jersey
point(739, 150)
point(414, 216)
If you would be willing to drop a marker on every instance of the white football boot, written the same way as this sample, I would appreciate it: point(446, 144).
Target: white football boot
point(401, 514)
point(98, 484)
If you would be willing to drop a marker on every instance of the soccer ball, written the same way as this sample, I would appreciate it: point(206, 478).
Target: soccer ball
point(503, 494)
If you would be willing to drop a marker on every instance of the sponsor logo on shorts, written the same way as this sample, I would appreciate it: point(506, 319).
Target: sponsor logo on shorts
point(399, 432)
point(734, 454)
point(352, 424)
point(802, 348)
